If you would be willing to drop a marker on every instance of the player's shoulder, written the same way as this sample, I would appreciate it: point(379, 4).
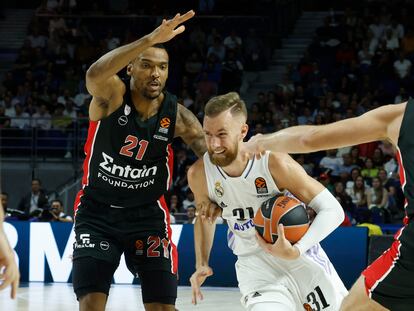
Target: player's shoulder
point(196, 169)
point(279, 159)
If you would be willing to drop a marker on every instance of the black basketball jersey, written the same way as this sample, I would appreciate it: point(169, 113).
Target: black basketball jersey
point(405, 157)
point(129, 161)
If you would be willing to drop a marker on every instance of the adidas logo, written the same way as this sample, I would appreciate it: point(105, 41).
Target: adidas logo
point(256, 294)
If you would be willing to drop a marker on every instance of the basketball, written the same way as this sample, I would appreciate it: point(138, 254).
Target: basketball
point(283, 210)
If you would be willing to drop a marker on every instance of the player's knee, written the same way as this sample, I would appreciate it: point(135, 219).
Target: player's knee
point(155, 306)
point(92, 302)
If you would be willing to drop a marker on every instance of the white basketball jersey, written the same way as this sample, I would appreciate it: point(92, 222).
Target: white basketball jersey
point(240, 198)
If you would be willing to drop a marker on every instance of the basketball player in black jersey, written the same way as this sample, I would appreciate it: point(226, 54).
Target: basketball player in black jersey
point(388, 283)
point(128, 168)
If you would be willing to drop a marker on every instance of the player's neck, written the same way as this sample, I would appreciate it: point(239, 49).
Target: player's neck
point(145, 107)
point(237, 167)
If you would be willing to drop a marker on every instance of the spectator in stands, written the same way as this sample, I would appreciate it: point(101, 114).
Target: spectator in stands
point(4, 120)
point(331, 162)
point(356, 159)
point(217, 48)
point(21, 119)
point(191, 217)
point(343, 197)
point(402, 67)
point(33, 203)
point(377, 201)
point(56, 210)
point(37, 40)
point(366, 221)
point(378, 158)
point(42, 118)
point(189, 199)
point(369, 171)
point(233, 42)
point(358, 193)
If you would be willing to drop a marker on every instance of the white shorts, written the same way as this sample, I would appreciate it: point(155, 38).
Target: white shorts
point(307, 283)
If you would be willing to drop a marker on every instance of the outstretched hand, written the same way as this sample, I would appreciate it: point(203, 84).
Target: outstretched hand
point(282, 248)
point(196, 280)
point(170, 28)
point(252, 148)
point(9, 272)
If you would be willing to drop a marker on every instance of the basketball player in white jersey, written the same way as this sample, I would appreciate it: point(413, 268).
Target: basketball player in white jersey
point(291, 278)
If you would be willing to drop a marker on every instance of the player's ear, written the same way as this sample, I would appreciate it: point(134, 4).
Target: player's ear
point(129, 69)
point(244, 130)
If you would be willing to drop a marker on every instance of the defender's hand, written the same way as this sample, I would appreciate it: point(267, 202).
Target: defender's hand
point(168, 28)
point(253, 147)
point(196, 280)
point(208, 211)
point(10, 273)
point(282, 248)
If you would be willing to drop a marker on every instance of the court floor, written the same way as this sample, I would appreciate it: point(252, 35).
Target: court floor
point(60, 296)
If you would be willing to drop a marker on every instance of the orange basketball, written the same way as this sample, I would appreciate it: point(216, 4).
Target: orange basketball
point(281, 210)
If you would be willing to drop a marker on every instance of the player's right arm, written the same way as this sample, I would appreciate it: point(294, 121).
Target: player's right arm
point(102, 81)
point(382, 123)
point(204, 228)
point(10, 274)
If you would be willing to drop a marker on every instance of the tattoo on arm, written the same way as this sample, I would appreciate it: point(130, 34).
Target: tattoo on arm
point(189, 129)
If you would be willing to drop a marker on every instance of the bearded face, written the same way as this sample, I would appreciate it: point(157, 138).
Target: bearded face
point(223, 156)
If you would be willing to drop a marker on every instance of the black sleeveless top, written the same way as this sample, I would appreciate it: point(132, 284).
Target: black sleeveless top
point(128, 161)
point(405, 157)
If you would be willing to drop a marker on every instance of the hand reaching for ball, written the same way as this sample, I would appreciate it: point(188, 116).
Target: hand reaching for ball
point(282, 248)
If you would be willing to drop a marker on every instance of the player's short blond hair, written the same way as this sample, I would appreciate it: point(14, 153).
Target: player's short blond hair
point(232, 101)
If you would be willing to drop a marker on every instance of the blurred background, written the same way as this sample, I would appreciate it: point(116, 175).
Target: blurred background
point(292, 61)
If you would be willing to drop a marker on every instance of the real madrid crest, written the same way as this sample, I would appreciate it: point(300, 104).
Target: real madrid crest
point(218, 189)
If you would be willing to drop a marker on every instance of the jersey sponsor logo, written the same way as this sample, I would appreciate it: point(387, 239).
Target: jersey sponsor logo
point(261, 186)
point(159, 137)
point(85, 241)
point(245, 226)
point(125, 171)
point(125, 176)
point(104, 245)
point(218, 189)
point(122, 120)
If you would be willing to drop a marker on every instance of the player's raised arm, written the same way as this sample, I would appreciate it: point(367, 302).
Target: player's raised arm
point(204, 228)
point(101, 79)
point(378, 124)
point(189, 129)
point(289, 175)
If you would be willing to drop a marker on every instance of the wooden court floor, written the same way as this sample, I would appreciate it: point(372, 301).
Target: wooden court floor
point(60, 297)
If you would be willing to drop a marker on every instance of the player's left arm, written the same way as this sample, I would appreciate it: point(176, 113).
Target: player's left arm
point(189, 129)
point(290, 175)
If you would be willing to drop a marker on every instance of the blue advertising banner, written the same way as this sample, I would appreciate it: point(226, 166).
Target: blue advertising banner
point(44, 251)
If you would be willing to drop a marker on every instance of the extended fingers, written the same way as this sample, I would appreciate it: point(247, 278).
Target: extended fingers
point(280, 231)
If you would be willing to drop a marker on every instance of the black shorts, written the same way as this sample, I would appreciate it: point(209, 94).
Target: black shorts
point(389, 280)
point(143, 234)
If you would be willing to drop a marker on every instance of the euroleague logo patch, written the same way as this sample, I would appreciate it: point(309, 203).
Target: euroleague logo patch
point(261, 186)
point(139, 247)
point(165, 123)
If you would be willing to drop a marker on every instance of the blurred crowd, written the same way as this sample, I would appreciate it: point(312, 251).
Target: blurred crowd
point(359, 59)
